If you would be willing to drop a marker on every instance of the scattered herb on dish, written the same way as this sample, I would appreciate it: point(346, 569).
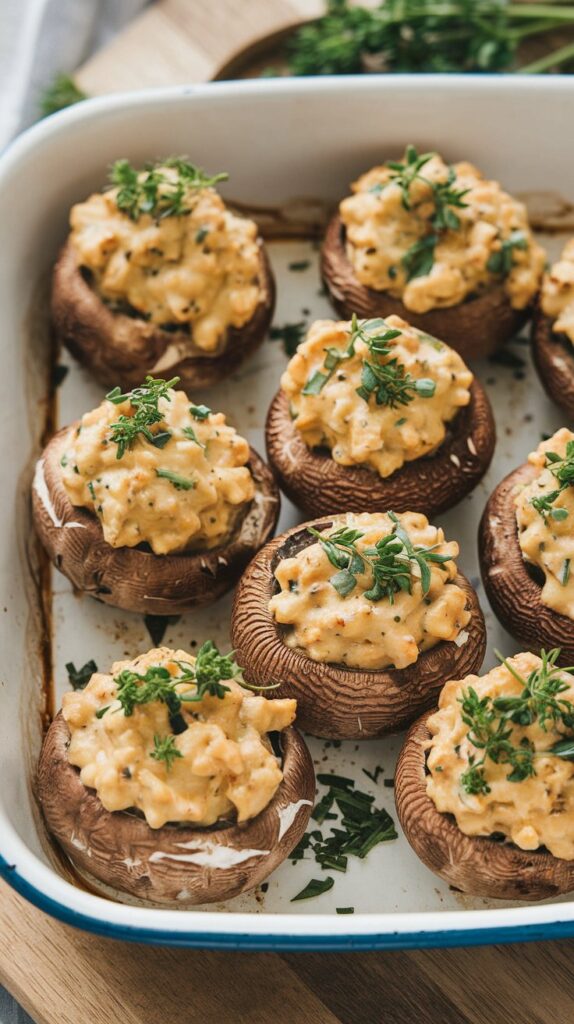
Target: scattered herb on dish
point(299, 265)
point(80, 677)
point(316, 887)
point(181, 483)
point(157, 625)
point(291, 336)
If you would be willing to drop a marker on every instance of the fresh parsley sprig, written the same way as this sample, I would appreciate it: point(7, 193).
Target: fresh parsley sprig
point(490, 722)
point(562, 468)
point(390, 561)
point(156, 193)
point(144, 402)
point(382, 375)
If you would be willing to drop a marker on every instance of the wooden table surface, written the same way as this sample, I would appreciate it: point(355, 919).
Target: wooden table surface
point(63, 976)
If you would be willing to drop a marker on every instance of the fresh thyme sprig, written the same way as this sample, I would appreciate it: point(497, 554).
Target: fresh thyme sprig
point(390, 562)
point(562, 468)
point(385, 378)
point(144, 401)
point(164, 749)
point(154, 192)
point(157, 683)
point(490, 723)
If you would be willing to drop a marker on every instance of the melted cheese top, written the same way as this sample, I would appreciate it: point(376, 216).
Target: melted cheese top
point(557, 296)
point(544, 540)
point(355, 631)
point(199, 270)
point(538, 811)
point(226, 768)
point(135, 503)
point(380, 231)
point(364, 433)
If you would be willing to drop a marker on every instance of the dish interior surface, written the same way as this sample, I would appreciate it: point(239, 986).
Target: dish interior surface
point(296, 164)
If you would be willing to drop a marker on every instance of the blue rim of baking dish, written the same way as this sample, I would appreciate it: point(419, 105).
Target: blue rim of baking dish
point(348, 943)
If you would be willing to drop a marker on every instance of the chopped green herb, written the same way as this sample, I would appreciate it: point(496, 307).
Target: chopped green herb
point(80, 677)
point(144, 402)
point(59, 374)
point(419, 258)
point(300, 265)
point(344, 910)
point(154, 192)
point(502, 261)
point(156, 626)
point(291, 335)
point(189, 432)
point(164, 749)
point(563, 470)
point(316, 887)
point(199, 412)
point(181, 483)
point(374, 775)
point(201, 235)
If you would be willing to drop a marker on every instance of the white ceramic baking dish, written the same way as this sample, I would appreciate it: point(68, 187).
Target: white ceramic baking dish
point(279, 140)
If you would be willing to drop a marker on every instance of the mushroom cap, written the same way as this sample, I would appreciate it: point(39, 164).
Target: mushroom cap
point(176, 863)
point(135, 578)
point(320, 486)
point(474, 328)
point(553, 356)
point(476, 865)
point(121, 349)
point(334, 701)
point(510, 587)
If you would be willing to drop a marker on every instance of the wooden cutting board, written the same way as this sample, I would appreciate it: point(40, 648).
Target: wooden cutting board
point(62, 976)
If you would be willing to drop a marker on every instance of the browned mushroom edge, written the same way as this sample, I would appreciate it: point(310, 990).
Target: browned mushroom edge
point(553, 356)
point(334, 701)
point(121, 850)
point(121, 349)
point(512, 586)
point(475, 328)
point(320, 486)
point(479, 866)
point(135, 578)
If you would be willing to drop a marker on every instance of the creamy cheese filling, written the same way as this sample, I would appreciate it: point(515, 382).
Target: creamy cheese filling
point(223, 765)
point(533, 812)
point(489, 242)
point(200, 269)
point(345, 626)
point(557, 295)
point(545, 518)
point(188, 494)
point(363, 432)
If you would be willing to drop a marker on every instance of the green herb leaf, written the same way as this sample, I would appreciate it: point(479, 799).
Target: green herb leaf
point(316, 887)
point(156, 193)
point(181, 483)
point(80, 677)
point(189, 432)
point(144, 402)
point(164, 749)
point(199, 412)
point(418, 260)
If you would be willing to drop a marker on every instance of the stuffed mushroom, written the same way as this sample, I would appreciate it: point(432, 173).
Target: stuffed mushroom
point(377, 414)
point(553, 331)
point(152, 503)
point(485, 785)
point(361, 618)
point(527, 547)
point(167, 780)
point(158, 276)
point(437, 244)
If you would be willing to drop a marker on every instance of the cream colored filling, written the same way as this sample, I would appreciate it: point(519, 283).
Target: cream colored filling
point(226, 768)
point(544, 540)
point(134, 505)
point(557, 295)
point(364, 433)
point(200, 269)
point(355, 631)
point(380, 231)
point(537, 811)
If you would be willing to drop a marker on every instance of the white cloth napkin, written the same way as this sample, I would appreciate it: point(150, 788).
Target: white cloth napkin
point(39, 39)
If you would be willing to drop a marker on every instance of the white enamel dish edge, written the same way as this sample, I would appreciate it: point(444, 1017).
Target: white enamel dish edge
point(278, 139)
